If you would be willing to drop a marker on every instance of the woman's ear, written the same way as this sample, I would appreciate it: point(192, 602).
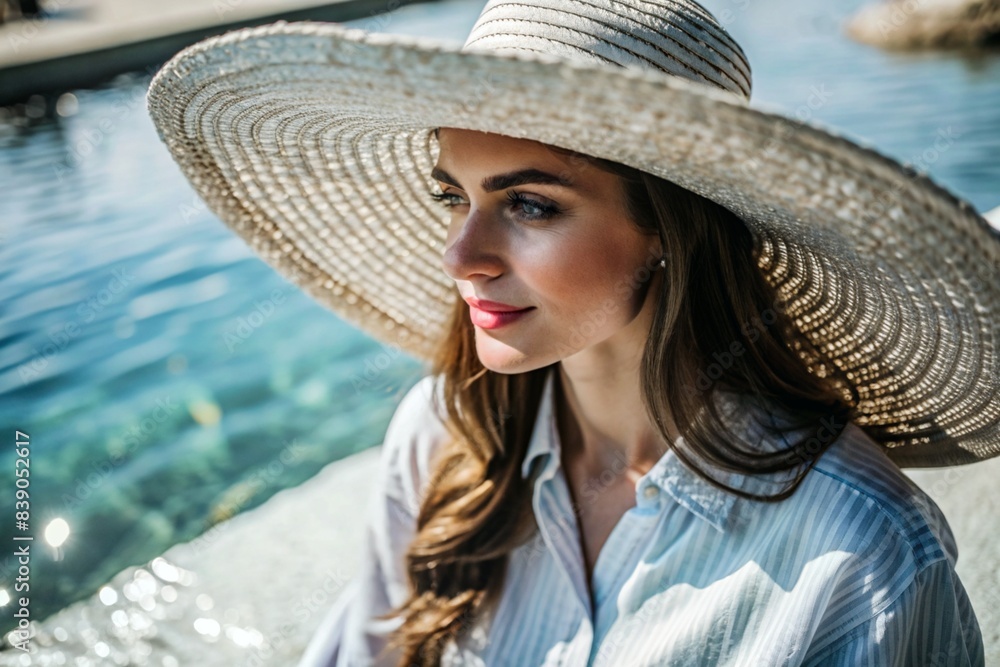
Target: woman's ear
point(656, 249)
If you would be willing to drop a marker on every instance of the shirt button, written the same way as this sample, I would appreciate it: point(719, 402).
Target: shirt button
point(651, 491)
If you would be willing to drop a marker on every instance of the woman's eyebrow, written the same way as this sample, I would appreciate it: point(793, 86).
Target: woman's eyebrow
point(508, 180)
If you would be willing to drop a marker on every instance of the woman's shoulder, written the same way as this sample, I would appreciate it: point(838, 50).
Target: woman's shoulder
point(892, 556)
point(853, 499)
point(857, 530)
point(867, 488)
point(414, 435)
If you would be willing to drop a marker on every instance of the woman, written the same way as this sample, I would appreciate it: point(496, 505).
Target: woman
point(655, 320)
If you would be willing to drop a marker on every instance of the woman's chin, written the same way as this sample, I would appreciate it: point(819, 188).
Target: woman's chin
point(500, 357)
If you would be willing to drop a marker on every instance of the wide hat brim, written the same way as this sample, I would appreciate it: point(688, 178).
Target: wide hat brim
point(312, 142)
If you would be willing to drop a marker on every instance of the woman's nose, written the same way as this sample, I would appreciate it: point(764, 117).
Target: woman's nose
point(472, 246)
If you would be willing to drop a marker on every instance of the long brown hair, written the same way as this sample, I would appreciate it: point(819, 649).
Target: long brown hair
point(477, 506)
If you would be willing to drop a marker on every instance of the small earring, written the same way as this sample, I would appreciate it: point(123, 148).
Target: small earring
point(663, 262)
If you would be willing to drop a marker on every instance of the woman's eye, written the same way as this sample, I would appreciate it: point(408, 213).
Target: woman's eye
point(529, 208)
point(447, 199)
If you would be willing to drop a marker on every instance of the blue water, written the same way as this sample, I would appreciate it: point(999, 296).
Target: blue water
point(169, 379)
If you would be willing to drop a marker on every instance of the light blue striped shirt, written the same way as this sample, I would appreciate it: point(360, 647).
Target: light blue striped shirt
point(855, 568)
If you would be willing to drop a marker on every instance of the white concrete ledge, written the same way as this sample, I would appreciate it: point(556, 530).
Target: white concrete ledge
point(250, 591)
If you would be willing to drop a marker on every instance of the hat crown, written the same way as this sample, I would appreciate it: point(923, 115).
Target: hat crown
point(678, 37)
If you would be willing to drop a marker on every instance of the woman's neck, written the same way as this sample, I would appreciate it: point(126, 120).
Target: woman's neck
point(603, 424)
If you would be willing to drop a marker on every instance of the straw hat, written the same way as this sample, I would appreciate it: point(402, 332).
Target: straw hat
point(312, 141)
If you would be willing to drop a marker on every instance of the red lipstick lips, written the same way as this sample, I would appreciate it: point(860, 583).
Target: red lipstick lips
point(492, 314)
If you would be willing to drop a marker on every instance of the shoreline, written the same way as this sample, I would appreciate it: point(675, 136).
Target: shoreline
point(82, 45)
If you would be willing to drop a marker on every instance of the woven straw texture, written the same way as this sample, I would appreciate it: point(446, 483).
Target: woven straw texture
point(312, 142)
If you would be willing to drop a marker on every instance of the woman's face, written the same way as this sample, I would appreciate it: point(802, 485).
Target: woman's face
point(535, 229)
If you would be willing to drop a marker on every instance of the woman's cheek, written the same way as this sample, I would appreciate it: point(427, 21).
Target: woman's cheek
point(565, 268)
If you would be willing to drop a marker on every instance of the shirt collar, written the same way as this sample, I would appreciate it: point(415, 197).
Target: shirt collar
point(545, 436)
point(723, 509)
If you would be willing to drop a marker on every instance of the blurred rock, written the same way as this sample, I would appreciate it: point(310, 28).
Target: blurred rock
point(920, 24)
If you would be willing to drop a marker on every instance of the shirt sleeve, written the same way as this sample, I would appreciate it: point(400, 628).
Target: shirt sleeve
point(931, 623)
point(350, 636)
